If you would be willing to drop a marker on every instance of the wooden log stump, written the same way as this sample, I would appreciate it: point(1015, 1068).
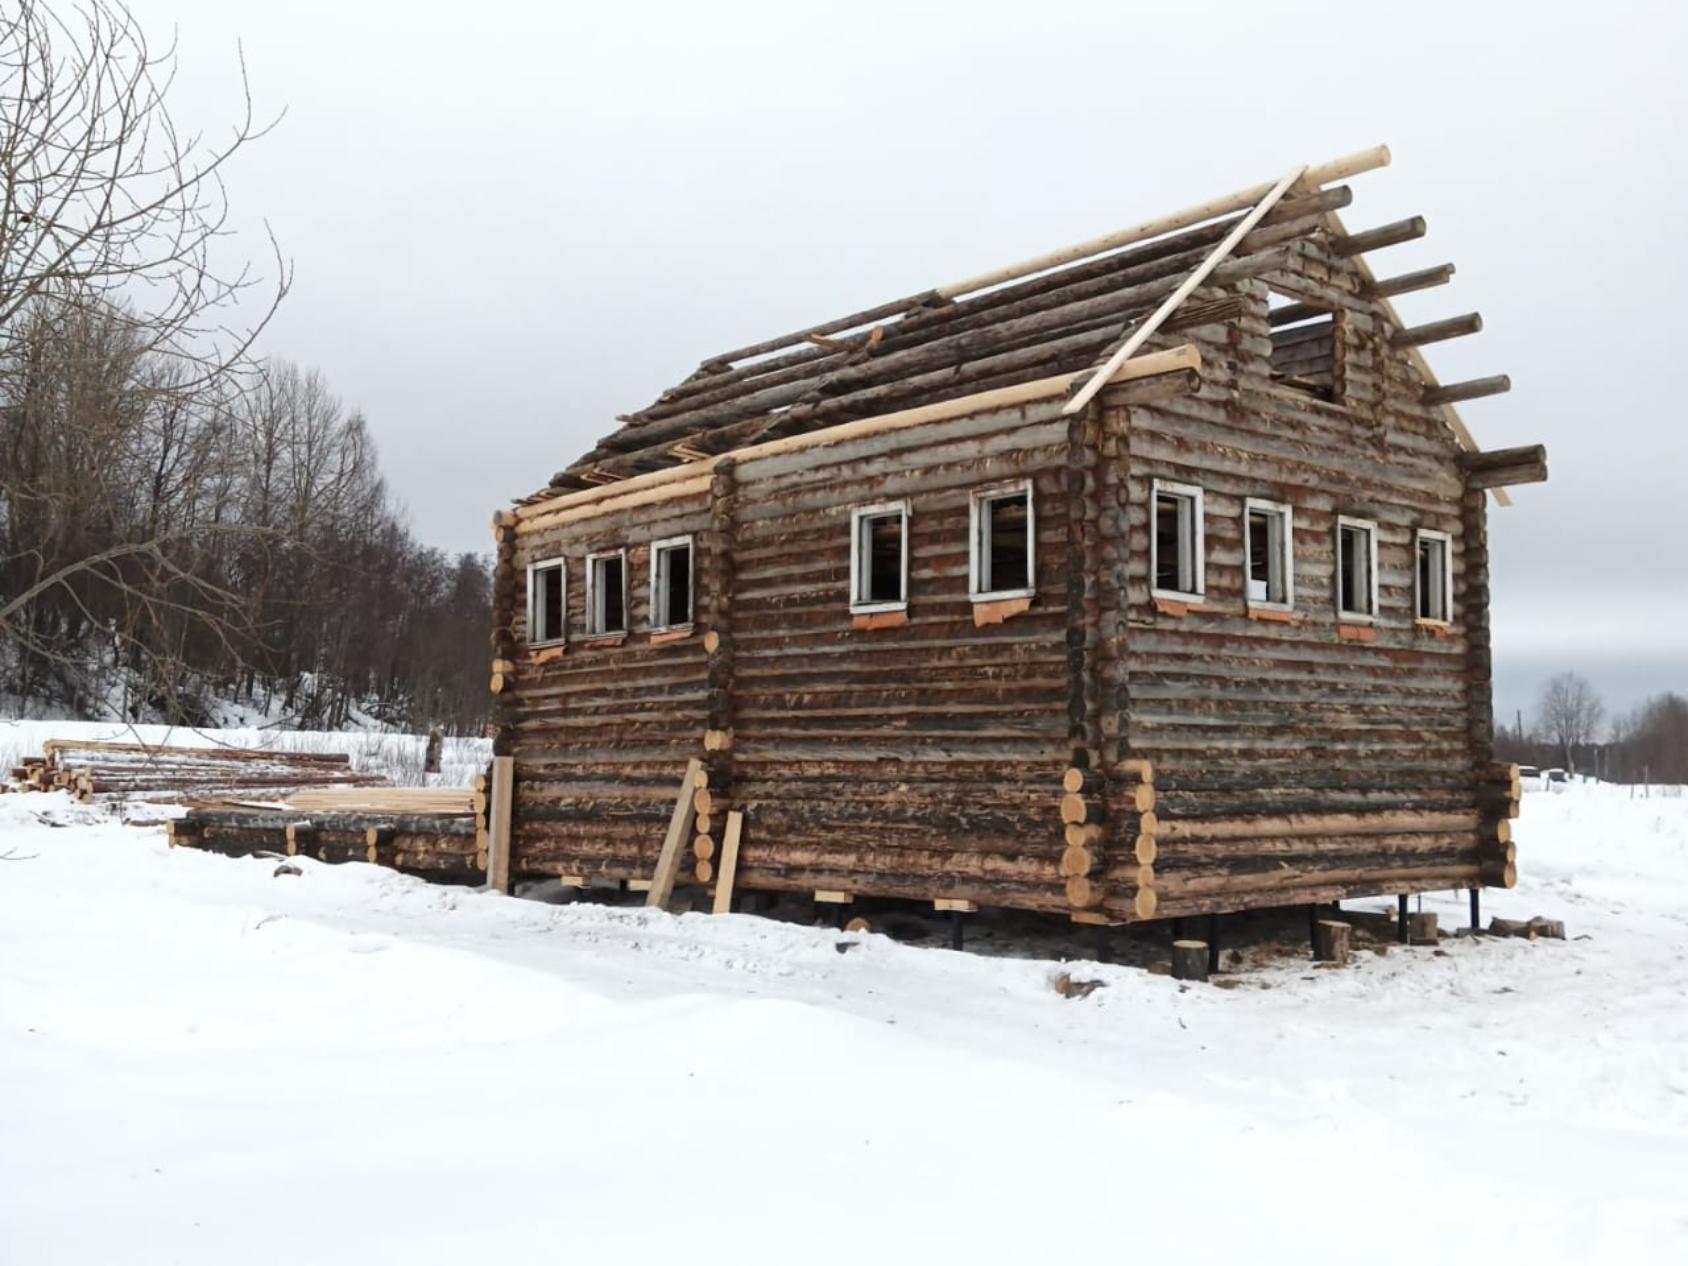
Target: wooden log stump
point(1421, 928)
point(1189, 960)
point(1331, 939)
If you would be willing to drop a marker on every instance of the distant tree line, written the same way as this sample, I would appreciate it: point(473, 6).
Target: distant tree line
point(1569, 730)
point(181, 521)
point(238, 544)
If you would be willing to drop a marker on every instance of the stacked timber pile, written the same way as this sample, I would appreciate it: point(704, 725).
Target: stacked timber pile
point(433, 833)
point(1111, 841)
point(87, 769)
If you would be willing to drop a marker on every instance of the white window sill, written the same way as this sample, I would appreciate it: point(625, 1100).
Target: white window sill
point(1355, 617)
point(1173, 595)
point(876, 608)
point(1002, 595)
point(539, 646)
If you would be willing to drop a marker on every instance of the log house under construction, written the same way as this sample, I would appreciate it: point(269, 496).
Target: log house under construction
point(1148, 578)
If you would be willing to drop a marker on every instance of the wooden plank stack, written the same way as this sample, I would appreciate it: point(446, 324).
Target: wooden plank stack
point(87, 769)
point(433, 833)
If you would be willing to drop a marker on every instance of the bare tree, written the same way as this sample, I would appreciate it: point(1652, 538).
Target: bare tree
point(106, 204)
point(1569, 713)
point(120, 346)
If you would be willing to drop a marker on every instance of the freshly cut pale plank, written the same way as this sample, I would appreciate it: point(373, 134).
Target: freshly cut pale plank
point(679, 830)
point(729, 862)
point(386, 799)
point(498, 850)
point(1170, 304)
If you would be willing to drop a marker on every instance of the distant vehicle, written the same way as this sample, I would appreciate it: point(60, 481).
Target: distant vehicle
point(1529, 771)
point(1553, 779)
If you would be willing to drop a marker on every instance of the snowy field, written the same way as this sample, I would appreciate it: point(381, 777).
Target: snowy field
point(202, 1062)
point(399, 756)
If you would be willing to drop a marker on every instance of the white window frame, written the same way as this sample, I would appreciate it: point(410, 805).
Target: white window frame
point(592, 595)
point(1447, 577)
point(533, 571)
point(658, 599)
point(1198, 541)
point(864, 606)
point(1286, 554)
point(1369, 526)
point(978, 553)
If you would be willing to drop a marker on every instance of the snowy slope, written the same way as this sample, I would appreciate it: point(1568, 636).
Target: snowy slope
point(202, 1062)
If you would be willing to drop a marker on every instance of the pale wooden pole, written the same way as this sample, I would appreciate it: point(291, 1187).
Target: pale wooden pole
point(729, 863)
point(679, 830)
point(498, 846)
point(1169, 305)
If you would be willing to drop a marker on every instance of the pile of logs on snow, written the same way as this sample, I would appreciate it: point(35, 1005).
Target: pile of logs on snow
point(87, 769)
point(435, 833)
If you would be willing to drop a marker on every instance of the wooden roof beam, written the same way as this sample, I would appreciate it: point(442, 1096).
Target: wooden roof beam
point(1376, 239)
point(1503, 467)
point(1423, 279)
point(1311, 178)
point(1296, 312)
point(1437, 331)
point(1471, 389)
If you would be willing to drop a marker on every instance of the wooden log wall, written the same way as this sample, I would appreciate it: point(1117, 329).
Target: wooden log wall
point(919, 757)
point(602, 728)
point(916, 757)
point(1294, 763)
point(1100, 753)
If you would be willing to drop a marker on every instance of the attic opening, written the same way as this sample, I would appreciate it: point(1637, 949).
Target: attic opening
point(1306, 341)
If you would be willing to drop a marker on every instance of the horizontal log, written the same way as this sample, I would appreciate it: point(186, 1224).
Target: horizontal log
point(1173, 830)
point(1471, 389)
point(1375, 239)
point(1406, 283)
point(1503, 467)
point(1219, 887)
point(278, 820)
point(1438, 331)
point(1291, 312)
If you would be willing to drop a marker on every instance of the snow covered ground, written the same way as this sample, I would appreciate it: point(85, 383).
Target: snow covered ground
point(202, 1062)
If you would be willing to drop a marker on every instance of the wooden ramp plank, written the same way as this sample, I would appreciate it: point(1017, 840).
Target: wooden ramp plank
point(729, 863)
point(498, 843)
point(679, 830)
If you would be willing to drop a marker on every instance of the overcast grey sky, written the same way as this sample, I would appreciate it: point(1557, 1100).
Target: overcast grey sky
point(511, 221)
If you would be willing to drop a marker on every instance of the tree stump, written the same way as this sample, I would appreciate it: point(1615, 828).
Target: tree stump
point(1189, 960)
point(1421, 928)
point(1331, 939)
